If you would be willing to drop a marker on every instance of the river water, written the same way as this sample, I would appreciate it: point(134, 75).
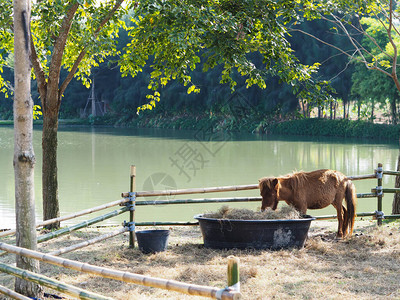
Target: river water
point(94, 167)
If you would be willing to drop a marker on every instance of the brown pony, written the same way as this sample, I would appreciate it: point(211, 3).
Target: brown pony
point(316, 189)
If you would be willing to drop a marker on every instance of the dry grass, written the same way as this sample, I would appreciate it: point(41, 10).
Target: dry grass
point(365, 266)
point(225, 212)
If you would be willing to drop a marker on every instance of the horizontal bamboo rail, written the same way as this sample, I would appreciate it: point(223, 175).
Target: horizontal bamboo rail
point(391, 217)
point(327, 217)
point(71, 216)
point(69, 229)
point(51, 283)
point(166, 223)
point(218, 200)
point(12, 294)
point(216, 189)
point(194, 191)
point(190, 289)
point(387, 190)
point(89, 242)
point(193, 201)
point(366, 195)
point(361, 177)
point(391, 172)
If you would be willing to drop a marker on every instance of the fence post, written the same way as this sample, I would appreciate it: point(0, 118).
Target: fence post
point(233, 281)
point(233, 273)
point(379, 194)
point(132, 210)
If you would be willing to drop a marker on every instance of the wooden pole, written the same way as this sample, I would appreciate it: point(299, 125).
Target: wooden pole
point(132, 209)
point(51, 283)
point(172, 285)
point(379, 213)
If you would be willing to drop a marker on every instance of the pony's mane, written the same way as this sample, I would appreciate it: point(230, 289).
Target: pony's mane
point(296, 179)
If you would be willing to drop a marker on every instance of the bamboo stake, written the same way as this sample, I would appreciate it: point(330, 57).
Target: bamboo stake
point(51, 283)
point(195, 191)
point(191, 289)
point(233, 272)
point(12, 294)
point(69, 229)
point(71, 216)
point(89, 242)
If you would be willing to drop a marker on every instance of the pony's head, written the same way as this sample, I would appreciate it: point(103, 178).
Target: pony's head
point(268, 192)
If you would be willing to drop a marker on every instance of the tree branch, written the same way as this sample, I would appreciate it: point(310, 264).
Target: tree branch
point(389, 32)
point(81, 55)
point(363, 60)
point(39, 73)
point(59, 47)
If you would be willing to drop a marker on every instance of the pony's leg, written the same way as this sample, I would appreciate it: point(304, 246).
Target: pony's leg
point(345, 225)
point(340, 218)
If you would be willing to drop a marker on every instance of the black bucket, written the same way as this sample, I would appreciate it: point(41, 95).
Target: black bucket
point(152, 241)
point(256, 234)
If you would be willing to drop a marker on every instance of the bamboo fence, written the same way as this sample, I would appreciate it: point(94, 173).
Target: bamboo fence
point(51, 283)
point(69, 229)
point(71, 216)
point(233, 188)
point(171, 285)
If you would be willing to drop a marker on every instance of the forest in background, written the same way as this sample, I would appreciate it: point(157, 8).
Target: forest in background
point(356, 91)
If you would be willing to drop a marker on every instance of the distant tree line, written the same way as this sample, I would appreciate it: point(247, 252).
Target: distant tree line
point(122, 95)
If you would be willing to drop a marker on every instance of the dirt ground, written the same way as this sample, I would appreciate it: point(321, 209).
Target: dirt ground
point(365, 266)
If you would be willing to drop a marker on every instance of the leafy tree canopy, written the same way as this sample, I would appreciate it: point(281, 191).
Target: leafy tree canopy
point(176, 36)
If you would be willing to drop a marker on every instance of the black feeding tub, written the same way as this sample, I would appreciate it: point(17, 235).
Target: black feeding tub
point(256, 234)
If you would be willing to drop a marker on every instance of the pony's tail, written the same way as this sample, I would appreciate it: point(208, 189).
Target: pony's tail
point(351, 203)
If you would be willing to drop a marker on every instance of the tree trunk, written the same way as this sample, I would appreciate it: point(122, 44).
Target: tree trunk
point(49, 167)
point(394, 110)
point(344, 109)
point(373, 111)
point(24, 157)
